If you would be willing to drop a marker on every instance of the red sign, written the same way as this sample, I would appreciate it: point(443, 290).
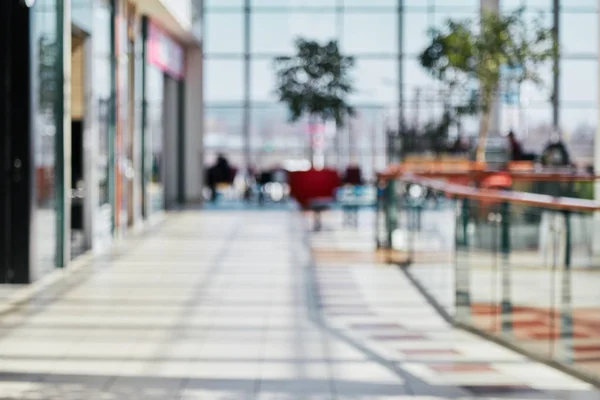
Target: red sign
point(315, 128)
point(165, 53)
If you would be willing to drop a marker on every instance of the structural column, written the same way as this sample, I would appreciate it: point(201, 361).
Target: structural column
point(247, 88)
point(400, 80)
point(194, 129)
point(63, 137)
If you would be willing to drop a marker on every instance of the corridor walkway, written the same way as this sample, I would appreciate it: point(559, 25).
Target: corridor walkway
point(229, 305)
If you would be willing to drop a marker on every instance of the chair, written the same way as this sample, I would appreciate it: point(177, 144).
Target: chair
point(314, 190)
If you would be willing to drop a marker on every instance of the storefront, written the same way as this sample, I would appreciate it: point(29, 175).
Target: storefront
point(123, 47)
point(91, 128)
point(101, 165)
point(164, 120)
point(33, 114)
point(56, 203)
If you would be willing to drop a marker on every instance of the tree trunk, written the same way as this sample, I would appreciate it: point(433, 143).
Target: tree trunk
point(484, 126)
point(311, 151)
point(311, 140)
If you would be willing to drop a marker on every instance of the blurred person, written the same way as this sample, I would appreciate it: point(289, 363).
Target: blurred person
point(555, 153)
point(220, 173)
point(353, 175)
point(516, 150)
point(460, 145)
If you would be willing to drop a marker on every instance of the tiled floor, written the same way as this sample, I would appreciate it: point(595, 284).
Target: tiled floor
point(227, 305)
point(378, 308)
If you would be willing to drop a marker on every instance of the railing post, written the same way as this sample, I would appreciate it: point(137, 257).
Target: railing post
point(461, 267)
point(566, 313)
point(391, 212)
point(464, 220)
point(506, 273)
point(379, 208)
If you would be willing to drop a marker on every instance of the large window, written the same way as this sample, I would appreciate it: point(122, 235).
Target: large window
point(47, 112)
point(223, 128)
point(275, 32)
point(223, 4)
point(368, 30)
point(579, 82)
point(415, 32)
point(155, 136)
point(375, 82)
point(579, 33)
point(370, 33)
point(223, 80)
point(103, 66)
point(389, 4)
point(294, 4)
point(224, 33)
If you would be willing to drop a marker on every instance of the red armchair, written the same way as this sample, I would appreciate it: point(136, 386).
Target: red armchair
point(308, 186)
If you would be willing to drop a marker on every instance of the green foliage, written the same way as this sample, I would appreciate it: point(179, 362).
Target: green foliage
point(315, 81)
point(469, 58)
point(463, 55)
point(432, 137)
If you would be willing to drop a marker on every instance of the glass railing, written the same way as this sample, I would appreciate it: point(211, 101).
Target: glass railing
point(562, 182)
point(579, 186)
point(521, 267)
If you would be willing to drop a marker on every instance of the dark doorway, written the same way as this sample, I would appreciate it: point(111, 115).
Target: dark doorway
point(16, 155)
point(77, 190)
point(79, 113)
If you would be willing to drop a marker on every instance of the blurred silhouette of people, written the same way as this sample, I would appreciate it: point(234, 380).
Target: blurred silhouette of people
point(516, 150)
point(353, 175)
point(249, 182)
point(277, 175)
point(220, 173)
point(555, 154)
point(460, 145)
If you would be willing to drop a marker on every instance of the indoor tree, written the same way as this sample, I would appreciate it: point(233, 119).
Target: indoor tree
point(315, 83)
point(470, 60)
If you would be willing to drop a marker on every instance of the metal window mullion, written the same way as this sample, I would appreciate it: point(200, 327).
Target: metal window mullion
point(556, 72)
point(247, 87)
point(400, 13)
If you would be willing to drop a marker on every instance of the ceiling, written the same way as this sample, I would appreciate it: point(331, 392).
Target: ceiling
point(157, 11)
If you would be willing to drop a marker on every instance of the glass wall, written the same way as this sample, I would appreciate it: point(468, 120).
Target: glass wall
point(578, 87)
point(154, 136)
point(103, 65)
point(368, 30)
point(102, 114)
point(47, 112)
point(579, 76)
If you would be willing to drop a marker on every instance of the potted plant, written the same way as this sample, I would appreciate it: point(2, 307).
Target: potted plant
point(473, 61)
point(315, 83)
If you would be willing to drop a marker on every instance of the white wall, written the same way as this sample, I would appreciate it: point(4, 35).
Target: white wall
point(194, 126)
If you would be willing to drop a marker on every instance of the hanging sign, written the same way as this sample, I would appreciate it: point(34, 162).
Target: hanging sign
point(165, 53)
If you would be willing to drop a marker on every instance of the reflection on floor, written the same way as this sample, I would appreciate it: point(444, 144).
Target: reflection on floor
point(377, 307)
point(78, 246)
point(553, 312)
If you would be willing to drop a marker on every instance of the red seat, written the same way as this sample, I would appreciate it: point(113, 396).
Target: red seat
point(500, 181)
point(306, 186)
